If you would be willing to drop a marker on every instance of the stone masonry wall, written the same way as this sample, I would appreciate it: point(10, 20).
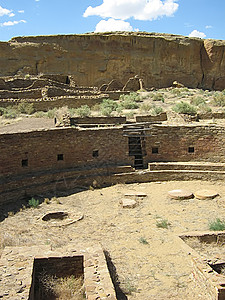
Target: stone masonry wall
point(175, 142)
point(35, 162)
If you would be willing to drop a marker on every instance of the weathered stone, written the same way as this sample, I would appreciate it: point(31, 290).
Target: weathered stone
point(128, 203)
point(136, 195)
point(114, 85)
point(119, 56)
point(180, 194)
point(205, 194)
point(133, 84)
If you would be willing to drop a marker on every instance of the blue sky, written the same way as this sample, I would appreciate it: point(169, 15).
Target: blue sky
point(201, 18)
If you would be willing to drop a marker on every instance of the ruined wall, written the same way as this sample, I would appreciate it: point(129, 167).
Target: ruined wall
point(94, 59)
point(59, 159)
point(176, 143)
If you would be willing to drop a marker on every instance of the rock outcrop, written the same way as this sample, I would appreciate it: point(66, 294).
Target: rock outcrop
point(97, 58)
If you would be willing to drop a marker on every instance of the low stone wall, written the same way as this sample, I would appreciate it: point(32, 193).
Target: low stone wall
point(210, 281)
point(214, 115)
point(57, 102)
point(149, 118)
point(19, 262)
point(23, 94)
point(98, 120)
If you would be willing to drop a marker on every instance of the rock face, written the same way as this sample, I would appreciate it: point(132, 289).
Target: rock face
point(95, 59)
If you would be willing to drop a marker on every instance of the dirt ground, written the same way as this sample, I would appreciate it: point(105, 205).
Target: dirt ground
point(150, 261)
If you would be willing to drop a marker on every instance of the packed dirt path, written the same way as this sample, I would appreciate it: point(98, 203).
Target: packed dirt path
point(150, 261)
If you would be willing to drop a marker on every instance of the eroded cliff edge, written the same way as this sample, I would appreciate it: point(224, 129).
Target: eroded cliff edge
point(97, 58)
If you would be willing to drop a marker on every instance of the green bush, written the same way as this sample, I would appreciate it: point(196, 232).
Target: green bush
point(129, 104)
point(26, 108)
point(217, 225)
point(143, 241)
point(83, 111)
point(10, 112)
point(158, 97)
point(156, 110)
point(204, 108)
point(33, 203)
point(219, 99)
point(184, 108)
point(51, 113)
point(145, 107)
point(163, 224)
point(176, 91)
point(40, 114)
point(132, 96)
point(197, 101)
point(107, 107)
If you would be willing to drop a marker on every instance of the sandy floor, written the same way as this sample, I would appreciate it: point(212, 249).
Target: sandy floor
point(158, 269)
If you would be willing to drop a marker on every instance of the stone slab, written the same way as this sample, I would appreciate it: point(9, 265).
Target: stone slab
point(180, 194)
point(128, 203)
point(205, 194)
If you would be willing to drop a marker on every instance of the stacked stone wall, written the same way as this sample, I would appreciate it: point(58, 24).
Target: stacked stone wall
point(35, 162)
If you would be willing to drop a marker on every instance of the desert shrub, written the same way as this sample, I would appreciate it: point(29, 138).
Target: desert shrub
point(184, 108)
point(10, 112)
point(129, 114)
point(197, 101)
point(107, 107)
point(129, 104)
point(26, 108)
point(163, 224)
point(96, 107)
point(132, 96)
point(176, 91)
point(83, 111)
point(158, 97)
point(145, 107)
point(156, 110)
point(33, 203)
point(2, 109)
point(203, 108)
point(51, 113)
point(217, 225)
point(69, 287)
point(219, 99)
point(128, 287)
point(143, 241)
point(40, 114)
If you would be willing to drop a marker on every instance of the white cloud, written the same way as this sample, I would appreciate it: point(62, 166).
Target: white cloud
point(138, 9)
point(5, 12)
point(21, 11)
point(113, 25)
point(208, 26)
point(196, 33)
point(12, 23)
point(11, 15)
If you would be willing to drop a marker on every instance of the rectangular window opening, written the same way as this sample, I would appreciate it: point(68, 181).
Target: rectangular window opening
point(95, 153)
point(24, 162)
point(191, 149)
point(155, 150)
point(60, 157)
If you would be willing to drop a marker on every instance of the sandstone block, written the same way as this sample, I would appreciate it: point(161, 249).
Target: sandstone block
point(128, 203)
point(205, 194)
point(180, 194)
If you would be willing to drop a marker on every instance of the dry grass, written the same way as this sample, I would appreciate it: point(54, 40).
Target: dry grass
point(63, 288)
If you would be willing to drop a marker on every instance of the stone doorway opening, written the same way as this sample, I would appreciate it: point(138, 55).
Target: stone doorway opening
point(135, 149)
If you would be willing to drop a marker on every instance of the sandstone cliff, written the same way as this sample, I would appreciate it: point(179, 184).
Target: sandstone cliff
point(95, 59)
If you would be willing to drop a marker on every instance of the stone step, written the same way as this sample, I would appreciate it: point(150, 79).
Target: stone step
point(201, 166)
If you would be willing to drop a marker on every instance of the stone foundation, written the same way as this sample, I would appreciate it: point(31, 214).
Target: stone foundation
point(19, 267)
